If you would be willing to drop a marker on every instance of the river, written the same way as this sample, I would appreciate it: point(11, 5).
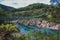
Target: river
point(25, 29)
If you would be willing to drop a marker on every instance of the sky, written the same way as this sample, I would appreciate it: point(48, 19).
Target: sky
point(22, 3)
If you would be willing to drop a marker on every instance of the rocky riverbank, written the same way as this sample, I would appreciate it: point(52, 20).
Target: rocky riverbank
point(40, 24)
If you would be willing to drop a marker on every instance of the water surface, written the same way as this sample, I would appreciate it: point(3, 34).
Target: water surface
point(25, 29)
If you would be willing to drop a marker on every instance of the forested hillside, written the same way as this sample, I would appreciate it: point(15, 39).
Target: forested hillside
point(52, 13)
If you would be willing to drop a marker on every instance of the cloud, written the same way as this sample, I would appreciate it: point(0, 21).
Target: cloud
point(45, 1)
point(22, 3)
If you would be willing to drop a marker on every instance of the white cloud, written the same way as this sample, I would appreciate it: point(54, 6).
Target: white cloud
point(22, 3)
point(45, 1)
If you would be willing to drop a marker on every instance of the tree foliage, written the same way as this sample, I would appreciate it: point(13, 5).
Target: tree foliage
point(52, 12)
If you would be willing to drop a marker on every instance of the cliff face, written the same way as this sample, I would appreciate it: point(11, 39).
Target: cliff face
point(40, 24)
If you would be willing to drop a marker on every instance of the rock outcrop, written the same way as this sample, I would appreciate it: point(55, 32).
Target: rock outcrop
point(39, 24)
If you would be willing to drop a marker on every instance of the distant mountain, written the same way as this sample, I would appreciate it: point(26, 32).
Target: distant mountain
point(6, 8)
point(33, 6)
point(52, 13)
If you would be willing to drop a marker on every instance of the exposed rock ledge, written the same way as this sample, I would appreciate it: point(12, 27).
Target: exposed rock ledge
point(40, 24)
